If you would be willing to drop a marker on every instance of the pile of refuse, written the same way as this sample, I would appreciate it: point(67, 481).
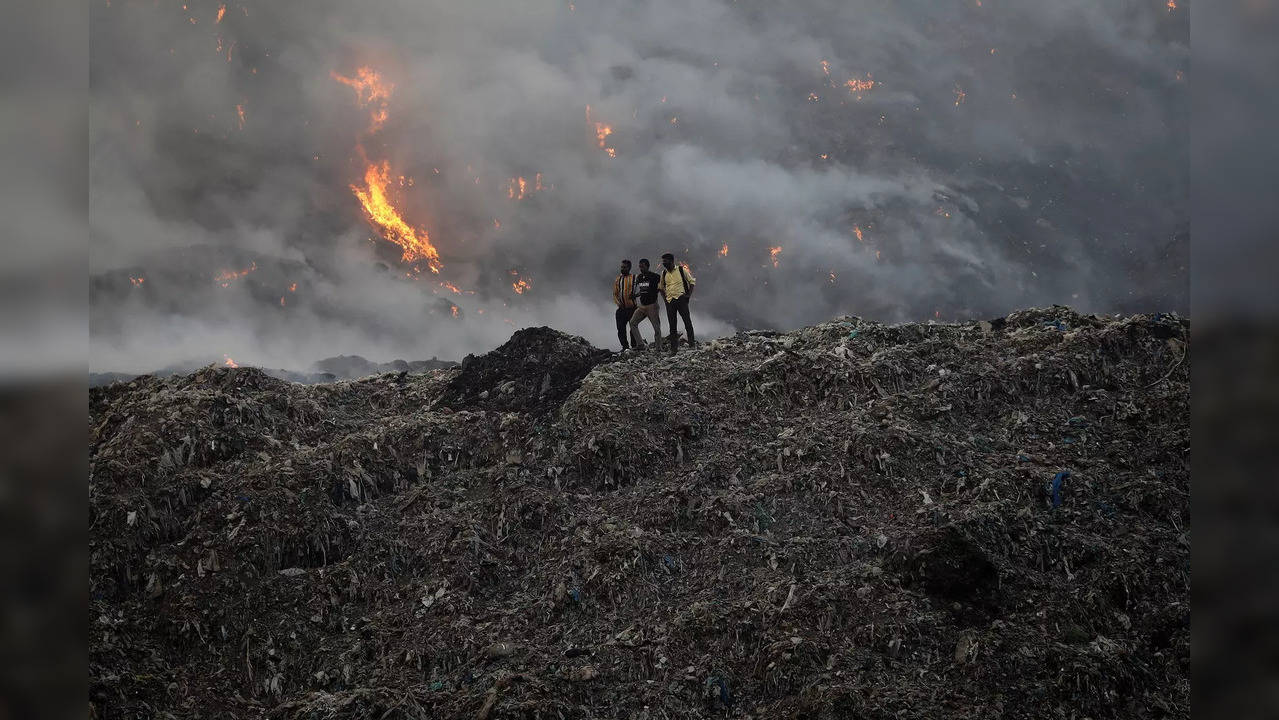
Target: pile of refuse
point(849, 520)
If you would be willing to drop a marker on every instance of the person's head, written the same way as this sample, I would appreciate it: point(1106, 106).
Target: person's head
point(643, 264)
point(668, 261)
point(626, 267)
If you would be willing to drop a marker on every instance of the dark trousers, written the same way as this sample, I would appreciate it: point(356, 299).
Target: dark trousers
point(679, 306)
point(623, 317)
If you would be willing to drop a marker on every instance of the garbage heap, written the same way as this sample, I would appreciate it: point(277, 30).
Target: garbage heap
point(987, 519)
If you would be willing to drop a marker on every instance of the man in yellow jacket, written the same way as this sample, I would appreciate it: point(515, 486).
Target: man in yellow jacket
point(624, 298)
point(676, 286)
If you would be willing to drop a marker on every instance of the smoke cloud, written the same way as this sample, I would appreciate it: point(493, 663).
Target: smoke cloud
point(910, 158)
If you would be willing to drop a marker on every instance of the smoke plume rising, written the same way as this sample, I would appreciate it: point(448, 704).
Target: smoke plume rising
point(911, 159)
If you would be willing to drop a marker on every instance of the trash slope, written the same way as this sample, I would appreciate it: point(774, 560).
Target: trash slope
point(848, 520)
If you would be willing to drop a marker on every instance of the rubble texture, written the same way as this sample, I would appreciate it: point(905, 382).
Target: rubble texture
point(849, 520)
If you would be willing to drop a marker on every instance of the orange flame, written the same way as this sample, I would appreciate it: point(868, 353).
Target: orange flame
point(832, 277)
point(293, 287)
point(370, 90)
point(602, 131)
point(454, 309)
point(826, 67)
point(1172, 5)
point(959, 95)
point(773, 252)
point(857, 230)
point(415, 242)
point(229, 362)
point(450, 287)
point(281, 301)
point(856, 86)
point(812, 97)
point(520, 284)
point(518, 187)
point(225, 277)
point(239, 111)
point(723, 251)
point(137, 281)
point(221, 12)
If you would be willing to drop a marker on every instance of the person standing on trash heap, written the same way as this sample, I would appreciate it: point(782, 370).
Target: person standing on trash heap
point(624, 297)
point(677, 287)
point(646, 297)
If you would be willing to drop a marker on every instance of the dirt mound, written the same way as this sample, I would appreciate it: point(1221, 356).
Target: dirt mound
point(531, 373)
point(848, 520)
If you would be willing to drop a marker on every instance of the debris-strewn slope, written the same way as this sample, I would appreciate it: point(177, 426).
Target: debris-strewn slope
point(847, 520)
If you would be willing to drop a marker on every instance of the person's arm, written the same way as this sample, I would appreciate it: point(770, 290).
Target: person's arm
point(692, 282)
point(617, 297)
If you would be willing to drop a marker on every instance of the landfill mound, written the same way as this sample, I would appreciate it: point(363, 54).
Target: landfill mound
point(988, 519)
point(340, 367)
point(530, 373)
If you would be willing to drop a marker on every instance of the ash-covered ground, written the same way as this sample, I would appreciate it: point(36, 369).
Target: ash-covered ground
point(848, 520)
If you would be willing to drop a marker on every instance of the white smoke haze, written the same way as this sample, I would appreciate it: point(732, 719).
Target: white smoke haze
point(990, 157)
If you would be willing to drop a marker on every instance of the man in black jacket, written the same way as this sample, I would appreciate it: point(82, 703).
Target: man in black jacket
point(646, 295)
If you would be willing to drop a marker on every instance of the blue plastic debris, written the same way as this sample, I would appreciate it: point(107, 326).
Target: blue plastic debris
point(1056, 486)
point(725, 696)
point(576, 595)
point(852, 334)
point(1057, 325)
point(668, 562)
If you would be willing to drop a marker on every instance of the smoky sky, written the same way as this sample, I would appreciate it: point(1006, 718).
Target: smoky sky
point(988, 156)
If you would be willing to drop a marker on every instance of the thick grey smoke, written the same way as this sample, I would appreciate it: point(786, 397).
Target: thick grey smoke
point(991, 155)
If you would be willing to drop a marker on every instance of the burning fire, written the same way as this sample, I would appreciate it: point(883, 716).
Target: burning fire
point(959, 96)
point(773, 252)
point(855, 86)
point(826, 67)
point(137, 281)
point(521, 284)
point(225, 277)
point(602, 131)
point(450, 287)
point(415, 242)
point(857, 230)
point(812, 97)
point(239, 111)
point(723, 251)
point(374, 92)
point(221, 13)
point(229, 362)
point(293, 287)
point(1172, 5)
point(454, 309)
point(518, 187)
point(370, 90)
